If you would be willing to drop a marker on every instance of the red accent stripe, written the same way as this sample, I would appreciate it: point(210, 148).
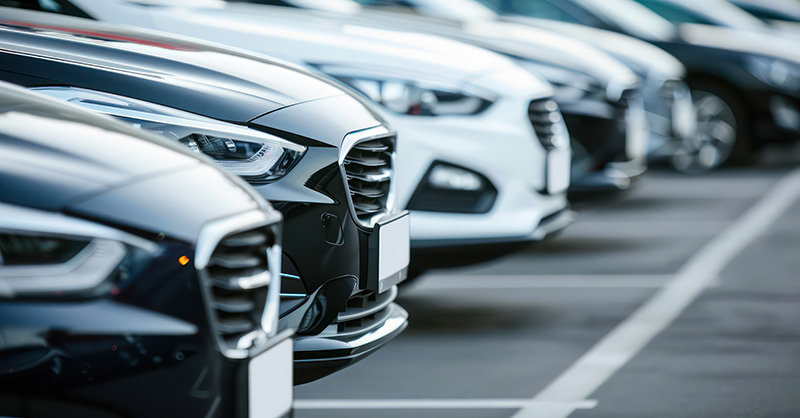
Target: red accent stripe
point(101, 35)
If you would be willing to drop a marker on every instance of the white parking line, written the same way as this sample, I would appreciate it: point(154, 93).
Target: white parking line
point(652, 228)
point(555, 281)
point(626, 340)
point(431, 404)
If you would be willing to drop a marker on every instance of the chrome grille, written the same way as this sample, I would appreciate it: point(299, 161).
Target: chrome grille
point(547, 121)
point(237, 282)
point(369, 167)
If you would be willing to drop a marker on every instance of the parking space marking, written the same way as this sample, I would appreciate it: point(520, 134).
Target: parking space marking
point(620, 229)
point(554, 281)
point(619, 346)
point(433, 404)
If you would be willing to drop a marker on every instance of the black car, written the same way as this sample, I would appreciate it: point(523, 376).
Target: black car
point(741, 102)
point(322, 157)
point(113, 245)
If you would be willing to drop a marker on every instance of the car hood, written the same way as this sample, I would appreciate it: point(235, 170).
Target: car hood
point(644, 58)
point(516, 40)
point(259, 28)
point(743, 41)
point(203, 78)
point(95, 169)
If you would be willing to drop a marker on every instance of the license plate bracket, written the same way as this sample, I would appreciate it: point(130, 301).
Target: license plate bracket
point(389, 252)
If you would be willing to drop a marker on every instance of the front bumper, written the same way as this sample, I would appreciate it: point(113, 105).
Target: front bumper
point(100, 357)
point(501, 146)
point(613, 142)
point(333, 254)
point(343, 344)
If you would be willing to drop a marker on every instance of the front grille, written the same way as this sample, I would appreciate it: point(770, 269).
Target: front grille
point(237, 282)
point(547, 121)
point(369, 168)
point(364, 312)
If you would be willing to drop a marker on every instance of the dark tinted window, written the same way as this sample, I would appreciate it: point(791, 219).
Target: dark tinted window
point(542, 9)
point(767, 14)
point(675, 13)
point(62, 7)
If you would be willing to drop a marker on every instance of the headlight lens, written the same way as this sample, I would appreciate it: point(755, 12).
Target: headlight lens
point(775, 72)
point(47, 254)
point(254, 155)
point(570, 85)
point(409, 97)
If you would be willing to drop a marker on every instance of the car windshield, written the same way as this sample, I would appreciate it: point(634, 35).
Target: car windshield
point(181, 3)
point(633, 18)
point(723, 13)
point(449, 9)
point(787, 10)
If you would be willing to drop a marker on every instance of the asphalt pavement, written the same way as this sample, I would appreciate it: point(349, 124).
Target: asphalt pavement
point(678, 298)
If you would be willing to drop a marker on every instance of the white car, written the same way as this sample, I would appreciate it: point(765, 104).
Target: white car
point(483, 155)
point(599, 96)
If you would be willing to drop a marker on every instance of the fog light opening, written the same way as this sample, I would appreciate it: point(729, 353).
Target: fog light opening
point(454, 178)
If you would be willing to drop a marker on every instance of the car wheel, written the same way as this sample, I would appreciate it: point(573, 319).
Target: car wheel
point(720, 136)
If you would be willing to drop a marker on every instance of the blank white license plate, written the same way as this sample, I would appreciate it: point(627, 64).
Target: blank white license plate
point(393, 252)
point(558, 170)
point(270, 382)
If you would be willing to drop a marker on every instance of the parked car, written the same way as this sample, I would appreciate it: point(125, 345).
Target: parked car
point(484, 157)
point(779, 13)
point(608, 130)
point(719, 13)
point(741, 103)
point(345, 245)
point(113, 276)
point(667, 99)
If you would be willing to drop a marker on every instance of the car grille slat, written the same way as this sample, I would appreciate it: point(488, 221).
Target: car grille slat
point(368, 169)
point(235, 261)
point(364, 312)
point(234, 304)
point(237, 280)
point(546, 119)
point(246, 240)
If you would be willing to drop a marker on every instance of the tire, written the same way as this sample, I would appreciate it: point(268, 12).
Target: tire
point(722, 131)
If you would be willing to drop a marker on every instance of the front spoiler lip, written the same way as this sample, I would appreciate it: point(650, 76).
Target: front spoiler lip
point(547, 227)
point(327, 350)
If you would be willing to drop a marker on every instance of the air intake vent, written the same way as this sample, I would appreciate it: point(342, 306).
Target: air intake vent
point(364, 312)
point(237, 281)
point(368, 167)
point(547, 121)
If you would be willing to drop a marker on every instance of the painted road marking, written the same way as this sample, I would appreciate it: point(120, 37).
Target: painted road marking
point(618, 347)
point(554, 281)
point(429, 404)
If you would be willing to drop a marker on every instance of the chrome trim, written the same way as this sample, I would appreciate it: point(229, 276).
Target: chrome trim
point(213, 232)
point(396, 321)
point(208, 240)
point(352, 138)
point(349, 142)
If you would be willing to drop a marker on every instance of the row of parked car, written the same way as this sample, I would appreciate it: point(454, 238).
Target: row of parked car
point(200, 212)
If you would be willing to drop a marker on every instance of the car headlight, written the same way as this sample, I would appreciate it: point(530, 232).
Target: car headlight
point(571, 86)
point(775, 72)
point(410, 97)
point(48, 254)
point(256, 156)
